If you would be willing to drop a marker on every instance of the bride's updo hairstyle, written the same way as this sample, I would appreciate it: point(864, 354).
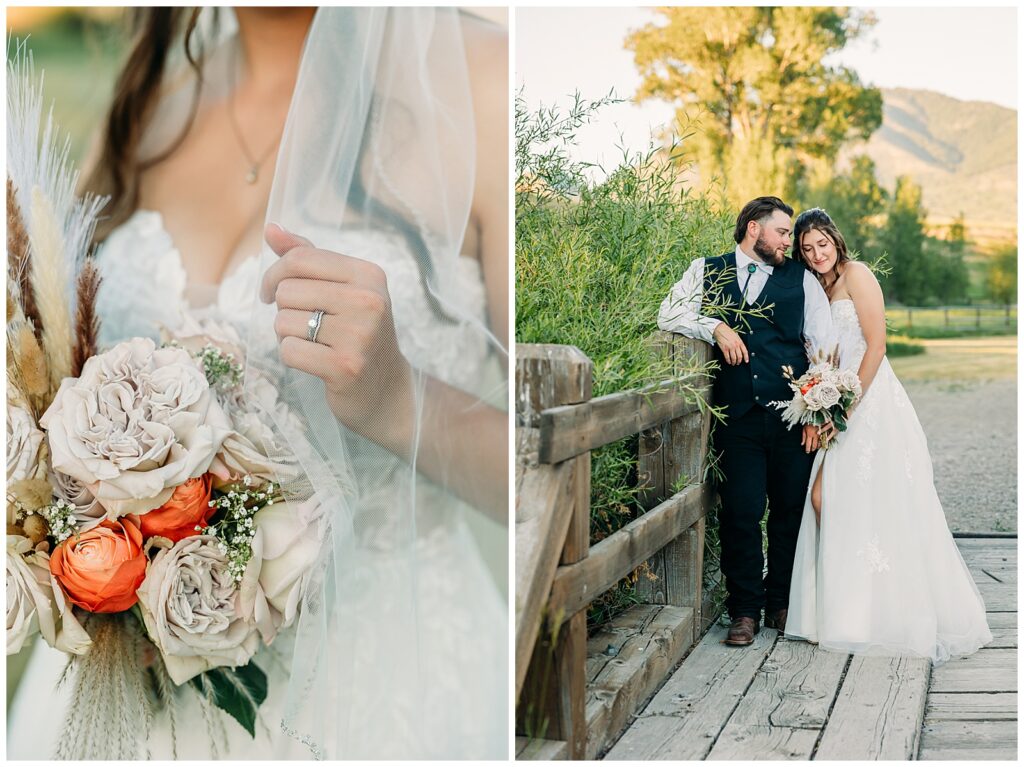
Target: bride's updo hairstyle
point(117, 167)
point(816, 218)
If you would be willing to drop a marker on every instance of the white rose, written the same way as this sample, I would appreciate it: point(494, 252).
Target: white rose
point(811, 399)
point(24, 439)
point(828, 395)
point(88, 512)
point(193, 610)
point(849, 381)
point(36, 603)
point(138, 422)
point(285, 547)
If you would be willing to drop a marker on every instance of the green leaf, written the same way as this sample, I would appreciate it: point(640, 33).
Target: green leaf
point(238, 691)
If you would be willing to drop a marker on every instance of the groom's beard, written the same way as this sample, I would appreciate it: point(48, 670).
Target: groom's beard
point(771, 257)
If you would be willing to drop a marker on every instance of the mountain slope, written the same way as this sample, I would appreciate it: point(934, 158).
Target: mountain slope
point(962, 153)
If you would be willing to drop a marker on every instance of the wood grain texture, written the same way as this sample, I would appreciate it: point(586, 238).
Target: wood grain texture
point(548, 375)
point(576, 586)
point(970, 706)
point(543, 511)
point(627, 661)
point(538, 749)
point(970, 741)
point(686, 715)
point(988, 670)
point(879, 710)
point(568, 431)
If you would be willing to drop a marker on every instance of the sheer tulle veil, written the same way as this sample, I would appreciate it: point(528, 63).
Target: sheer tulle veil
point(378, 151)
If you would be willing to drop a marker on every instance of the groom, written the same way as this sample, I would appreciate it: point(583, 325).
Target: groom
point(764, 463)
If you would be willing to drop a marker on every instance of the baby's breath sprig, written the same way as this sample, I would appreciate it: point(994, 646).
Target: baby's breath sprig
point(60, 518)
point(221, 370)
point(233, 525)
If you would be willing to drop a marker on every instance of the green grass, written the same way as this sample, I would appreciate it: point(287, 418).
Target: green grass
point(952, 322)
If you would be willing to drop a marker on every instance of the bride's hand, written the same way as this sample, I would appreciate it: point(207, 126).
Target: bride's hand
point(826, 432)
point(356, 354)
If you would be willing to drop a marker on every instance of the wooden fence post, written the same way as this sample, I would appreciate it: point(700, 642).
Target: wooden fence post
point(554, 691)
point(671, 455)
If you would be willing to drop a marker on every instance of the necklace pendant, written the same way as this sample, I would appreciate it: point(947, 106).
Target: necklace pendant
point(251, 176)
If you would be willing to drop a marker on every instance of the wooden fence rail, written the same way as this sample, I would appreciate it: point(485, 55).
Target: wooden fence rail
point(571, 698)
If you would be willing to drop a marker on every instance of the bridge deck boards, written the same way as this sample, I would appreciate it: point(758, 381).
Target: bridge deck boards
point(791, 700)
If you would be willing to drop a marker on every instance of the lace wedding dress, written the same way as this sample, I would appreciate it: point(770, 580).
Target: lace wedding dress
point(882, 575)
point(463, 622)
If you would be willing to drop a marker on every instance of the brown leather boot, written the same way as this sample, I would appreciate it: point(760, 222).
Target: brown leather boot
point(777, 620)
point(741, 631)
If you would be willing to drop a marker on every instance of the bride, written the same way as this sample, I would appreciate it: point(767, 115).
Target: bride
point(876, 570)
point(331, 186)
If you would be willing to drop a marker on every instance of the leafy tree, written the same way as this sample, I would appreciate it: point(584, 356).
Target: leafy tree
point(950, 275)
point(1001, 276)
point(855, 201)
point(753, 80)
point(903, 240)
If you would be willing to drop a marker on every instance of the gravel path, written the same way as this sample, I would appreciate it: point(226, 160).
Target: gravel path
point(972, 436)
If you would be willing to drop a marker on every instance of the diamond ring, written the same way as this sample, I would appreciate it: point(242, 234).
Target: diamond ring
point(314, 325)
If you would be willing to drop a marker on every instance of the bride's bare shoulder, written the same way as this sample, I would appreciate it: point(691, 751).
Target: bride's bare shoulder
point(858, 274)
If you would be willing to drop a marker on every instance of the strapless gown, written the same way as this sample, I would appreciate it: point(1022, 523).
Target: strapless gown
point(882, 575)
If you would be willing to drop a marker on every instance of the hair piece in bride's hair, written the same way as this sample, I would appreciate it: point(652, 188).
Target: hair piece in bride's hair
point(117, 167)
point(817, 218)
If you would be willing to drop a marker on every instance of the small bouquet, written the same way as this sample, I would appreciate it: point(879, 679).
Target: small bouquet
point(824, 394)
point(157, 529)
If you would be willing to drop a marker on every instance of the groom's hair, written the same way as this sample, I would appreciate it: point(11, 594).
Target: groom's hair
point(758, 209)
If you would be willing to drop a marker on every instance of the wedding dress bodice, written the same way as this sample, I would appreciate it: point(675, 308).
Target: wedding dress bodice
point(145, 287)
point(848, 334)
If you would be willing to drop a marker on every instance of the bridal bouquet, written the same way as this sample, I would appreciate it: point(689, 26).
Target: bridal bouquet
point(824, 394)
point(154, 527)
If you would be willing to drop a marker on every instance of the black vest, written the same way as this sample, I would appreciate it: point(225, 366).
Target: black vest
point(772, 342)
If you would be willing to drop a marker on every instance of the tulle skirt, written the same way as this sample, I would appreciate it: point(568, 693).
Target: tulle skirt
point(882, 574)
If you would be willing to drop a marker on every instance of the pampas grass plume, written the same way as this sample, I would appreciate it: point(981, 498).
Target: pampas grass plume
point(50, 283)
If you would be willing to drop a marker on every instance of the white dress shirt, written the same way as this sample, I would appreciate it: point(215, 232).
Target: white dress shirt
point(680, 311)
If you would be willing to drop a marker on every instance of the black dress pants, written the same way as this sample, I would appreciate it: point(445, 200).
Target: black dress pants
point(763, 463)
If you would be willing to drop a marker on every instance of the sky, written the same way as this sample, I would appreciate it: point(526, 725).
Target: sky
point(967, 53)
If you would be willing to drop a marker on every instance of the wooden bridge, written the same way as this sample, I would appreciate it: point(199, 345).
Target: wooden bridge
point(657, 682)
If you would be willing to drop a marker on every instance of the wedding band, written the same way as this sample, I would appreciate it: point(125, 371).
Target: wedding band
point(314, 325)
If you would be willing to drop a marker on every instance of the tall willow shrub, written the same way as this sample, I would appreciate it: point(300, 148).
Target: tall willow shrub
point(594, 260)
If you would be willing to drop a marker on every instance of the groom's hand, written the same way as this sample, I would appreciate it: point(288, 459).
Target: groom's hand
point(732, 346)
point(809, 440)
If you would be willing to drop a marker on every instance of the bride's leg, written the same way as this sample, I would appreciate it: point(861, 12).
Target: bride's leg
point(816, 494)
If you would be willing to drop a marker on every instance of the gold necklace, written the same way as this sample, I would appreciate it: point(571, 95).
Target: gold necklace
point(254, 165)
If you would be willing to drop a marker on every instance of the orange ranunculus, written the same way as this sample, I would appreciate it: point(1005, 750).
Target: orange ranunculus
point(187, 507)
point(101, 569)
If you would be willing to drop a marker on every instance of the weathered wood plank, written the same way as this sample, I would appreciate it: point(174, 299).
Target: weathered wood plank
point(785, 707)
point(576, 586)
point(570, 430)
point(969, 741)
point(1004, 630)
point(999, 597)
point(988, 670)
point(685, 717)
point(548, 375)
point(878, 711)
point(543, 511)
point(643, 654)
point(984, 706)
point(757, 742)
point(538, 749)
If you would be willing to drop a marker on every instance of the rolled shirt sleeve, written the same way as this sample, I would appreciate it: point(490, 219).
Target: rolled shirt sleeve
point(818, 330)
point(680, 311)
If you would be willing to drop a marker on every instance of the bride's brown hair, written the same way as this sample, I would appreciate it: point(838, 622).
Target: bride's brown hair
point(816, 218)
point(116, 167)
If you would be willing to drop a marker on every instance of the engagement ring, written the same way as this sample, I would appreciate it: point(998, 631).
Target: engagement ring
point(314, 325)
